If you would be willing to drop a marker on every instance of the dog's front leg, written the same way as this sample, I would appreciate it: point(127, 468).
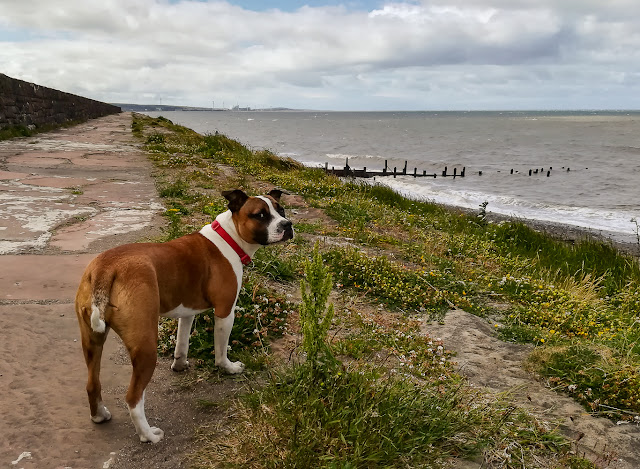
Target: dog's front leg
point(222, 332)
point(180, 362)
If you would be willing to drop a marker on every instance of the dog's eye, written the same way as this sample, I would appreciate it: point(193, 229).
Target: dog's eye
point(260, 215)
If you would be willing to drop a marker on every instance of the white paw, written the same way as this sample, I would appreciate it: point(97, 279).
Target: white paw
point(233, 368)
point(180, 364)
point(102, 415)
point(154, 435)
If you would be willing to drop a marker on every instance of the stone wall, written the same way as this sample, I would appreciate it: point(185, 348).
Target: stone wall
point(28, 104)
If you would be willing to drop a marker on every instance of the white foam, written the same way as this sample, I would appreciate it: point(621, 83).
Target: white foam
point(343, 156)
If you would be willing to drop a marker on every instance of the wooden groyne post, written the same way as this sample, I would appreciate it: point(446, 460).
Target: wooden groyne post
point(366, 173)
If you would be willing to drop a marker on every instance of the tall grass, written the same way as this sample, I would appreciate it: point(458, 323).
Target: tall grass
point(587, 258)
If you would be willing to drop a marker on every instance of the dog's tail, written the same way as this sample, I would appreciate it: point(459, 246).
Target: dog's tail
point(101, 282)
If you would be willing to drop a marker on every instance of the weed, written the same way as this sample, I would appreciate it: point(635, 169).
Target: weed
point(395, 285)
point(176, 228)
point(482, 213)
point(178, 189)
point(316, 316)
point(155, 138)
point(593, 379)
point(276, 263)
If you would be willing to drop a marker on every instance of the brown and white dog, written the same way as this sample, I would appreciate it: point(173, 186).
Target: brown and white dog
point(129, 287)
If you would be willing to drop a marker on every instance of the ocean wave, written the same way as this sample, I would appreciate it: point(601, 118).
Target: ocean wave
point(342, 156)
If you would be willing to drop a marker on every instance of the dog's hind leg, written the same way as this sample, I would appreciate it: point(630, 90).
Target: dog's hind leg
point(143, 359)
point(92, 344)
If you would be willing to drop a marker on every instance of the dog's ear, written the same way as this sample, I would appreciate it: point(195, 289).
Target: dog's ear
point(276, 193)
point(236, 199)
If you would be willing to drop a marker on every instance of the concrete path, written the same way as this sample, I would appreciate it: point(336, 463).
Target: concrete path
point(64, 196)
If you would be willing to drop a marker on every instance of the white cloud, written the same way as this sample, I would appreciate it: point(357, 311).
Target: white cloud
point(460, 55)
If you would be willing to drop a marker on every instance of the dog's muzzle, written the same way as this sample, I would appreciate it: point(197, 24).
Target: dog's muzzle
point(287, 229)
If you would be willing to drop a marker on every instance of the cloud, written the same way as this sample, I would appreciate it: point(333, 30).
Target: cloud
point(446, 55)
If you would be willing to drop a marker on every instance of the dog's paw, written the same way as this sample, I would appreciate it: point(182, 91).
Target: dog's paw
point(233, 368)
point(180, 364)
point(154, 435)
point(102, 415)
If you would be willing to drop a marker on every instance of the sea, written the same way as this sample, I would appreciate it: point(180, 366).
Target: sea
point(579, 168)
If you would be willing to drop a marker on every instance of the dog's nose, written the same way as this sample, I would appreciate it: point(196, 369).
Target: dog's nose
point(287, 227)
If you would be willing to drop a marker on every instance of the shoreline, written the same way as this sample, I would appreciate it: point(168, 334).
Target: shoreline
point(561, 231)
point(564, 232)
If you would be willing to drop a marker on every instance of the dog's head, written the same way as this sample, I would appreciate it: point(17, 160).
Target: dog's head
point(261, 219)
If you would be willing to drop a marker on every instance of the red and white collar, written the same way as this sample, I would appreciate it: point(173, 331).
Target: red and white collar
point(244, 257)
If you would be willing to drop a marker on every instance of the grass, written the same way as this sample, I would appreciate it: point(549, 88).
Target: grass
point(597, 380)
point(261, 317)
point(16, 131)
point(358, 419)
point(405, 260)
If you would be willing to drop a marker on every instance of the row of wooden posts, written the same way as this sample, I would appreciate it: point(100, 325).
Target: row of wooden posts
point(348, 171)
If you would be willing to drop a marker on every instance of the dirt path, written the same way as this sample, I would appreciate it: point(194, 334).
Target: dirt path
point(64, 196)
point(497, 367)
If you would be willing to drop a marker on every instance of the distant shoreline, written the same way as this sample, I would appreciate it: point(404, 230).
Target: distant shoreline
point(558, 112)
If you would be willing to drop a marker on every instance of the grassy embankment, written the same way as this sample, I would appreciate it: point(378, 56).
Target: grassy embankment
point(396, 399)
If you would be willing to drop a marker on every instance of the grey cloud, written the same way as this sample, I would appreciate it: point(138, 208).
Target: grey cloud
point(412, 52)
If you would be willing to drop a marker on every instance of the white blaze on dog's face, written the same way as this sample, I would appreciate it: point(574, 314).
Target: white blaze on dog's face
point(279, 228)
point(260, 220)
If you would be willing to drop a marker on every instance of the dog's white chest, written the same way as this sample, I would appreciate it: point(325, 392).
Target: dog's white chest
point(226, 250)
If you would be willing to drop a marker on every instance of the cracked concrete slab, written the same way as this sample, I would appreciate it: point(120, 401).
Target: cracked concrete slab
point(68, 189)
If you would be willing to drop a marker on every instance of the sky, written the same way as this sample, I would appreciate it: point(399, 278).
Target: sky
point(329, 54)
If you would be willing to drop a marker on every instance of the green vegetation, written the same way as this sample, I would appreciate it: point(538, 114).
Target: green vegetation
point(261, 316)
point(316, 318)
point(395, 261)
point(16, 131)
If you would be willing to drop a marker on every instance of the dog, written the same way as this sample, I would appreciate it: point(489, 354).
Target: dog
point(129, 287)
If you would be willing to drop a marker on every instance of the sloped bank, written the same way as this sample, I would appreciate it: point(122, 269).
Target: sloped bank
point(397, 262)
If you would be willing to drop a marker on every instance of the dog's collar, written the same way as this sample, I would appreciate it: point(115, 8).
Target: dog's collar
point(244, 257)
